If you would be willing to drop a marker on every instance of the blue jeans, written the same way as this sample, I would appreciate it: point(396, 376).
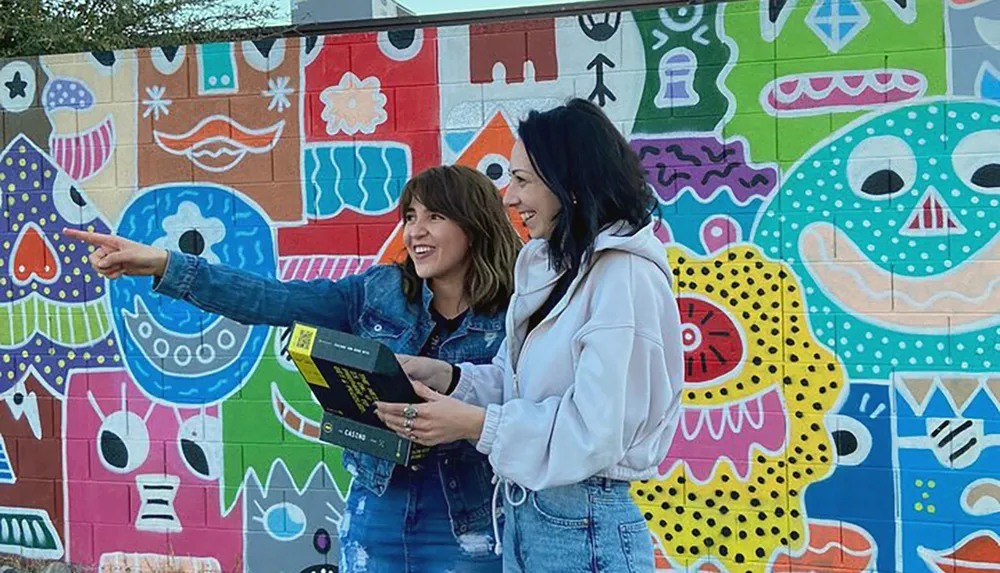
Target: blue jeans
point(408, 530)
point(593, 526)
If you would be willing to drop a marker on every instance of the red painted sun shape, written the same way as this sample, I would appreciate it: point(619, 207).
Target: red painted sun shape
point(712, 343)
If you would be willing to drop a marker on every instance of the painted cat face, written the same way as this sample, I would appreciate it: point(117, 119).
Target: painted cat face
point(289, 529)
point(90, 100)
point(225, 113)
point(143, 479)
point(752, 436)
point(177, 353)
point(56, 315)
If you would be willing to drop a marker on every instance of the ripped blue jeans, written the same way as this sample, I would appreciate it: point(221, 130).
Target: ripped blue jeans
point(408, 530)
point(593, 526)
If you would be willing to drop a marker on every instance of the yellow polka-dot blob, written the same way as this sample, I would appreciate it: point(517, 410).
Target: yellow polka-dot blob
point(743, 522)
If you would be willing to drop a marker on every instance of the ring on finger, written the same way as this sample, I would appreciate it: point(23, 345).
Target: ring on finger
point(408, 424)
point(410, 412)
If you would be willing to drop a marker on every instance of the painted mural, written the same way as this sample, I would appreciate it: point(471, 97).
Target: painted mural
point(829, 177)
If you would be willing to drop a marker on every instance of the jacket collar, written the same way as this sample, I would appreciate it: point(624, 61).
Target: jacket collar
point(480, 322)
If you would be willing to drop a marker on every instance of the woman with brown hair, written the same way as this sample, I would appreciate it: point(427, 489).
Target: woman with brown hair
point(447, 299)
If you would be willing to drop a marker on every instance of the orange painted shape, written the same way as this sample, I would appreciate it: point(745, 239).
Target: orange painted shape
point(33, 257)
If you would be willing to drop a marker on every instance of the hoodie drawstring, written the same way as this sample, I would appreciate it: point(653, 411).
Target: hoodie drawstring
point(498, 546)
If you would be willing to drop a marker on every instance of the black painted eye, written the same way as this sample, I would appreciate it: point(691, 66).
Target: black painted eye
point(105, 58)
point(496, 167)
point(122, 442)
point(977, 161)
point(321, 541)
point(401, 45)
point(195, 456)
point(113, 450)
point(192, 242)
point(846, 442)
point(402, 39)
point(881, 167)
point(987, 176)
point(76, 197)
point(852, 441)
point(167, 59)
point(199, 441)
point(883, 182)
point(264, 55)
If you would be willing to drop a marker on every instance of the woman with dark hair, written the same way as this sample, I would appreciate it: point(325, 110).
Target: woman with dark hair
point(585, 395)
point(446, 300)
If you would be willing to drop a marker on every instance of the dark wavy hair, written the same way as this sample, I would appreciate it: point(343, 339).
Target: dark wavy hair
point(470, 199)
point(590, 167)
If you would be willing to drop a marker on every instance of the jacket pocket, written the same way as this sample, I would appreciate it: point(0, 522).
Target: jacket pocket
point(373, 325)
point(637, 546)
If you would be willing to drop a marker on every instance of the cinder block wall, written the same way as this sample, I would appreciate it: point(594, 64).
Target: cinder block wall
point(829, 172)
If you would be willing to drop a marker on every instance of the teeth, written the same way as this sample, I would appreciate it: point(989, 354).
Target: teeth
point(422, 250)
point(527, 217)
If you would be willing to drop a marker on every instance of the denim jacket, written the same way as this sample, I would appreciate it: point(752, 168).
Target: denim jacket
point(371, 305)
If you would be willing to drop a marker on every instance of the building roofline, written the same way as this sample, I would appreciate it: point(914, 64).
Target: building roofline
point(463, 18)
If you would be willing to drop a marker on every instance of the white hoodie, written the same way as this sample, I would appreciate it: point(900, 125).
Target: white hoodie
point(595, 390)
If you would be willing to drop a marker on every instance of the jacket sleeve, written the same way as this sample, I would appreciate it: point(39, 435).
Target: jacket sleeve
point(569, 438)
point(250, 298)
point(482, 384)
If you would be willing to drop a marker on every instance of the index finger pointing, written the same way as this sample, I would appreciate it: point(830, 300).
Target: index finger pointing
point(98, 239)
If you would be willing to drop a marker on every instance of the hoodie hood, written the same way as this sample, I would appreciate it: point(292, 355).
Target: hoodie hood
point(533, 271)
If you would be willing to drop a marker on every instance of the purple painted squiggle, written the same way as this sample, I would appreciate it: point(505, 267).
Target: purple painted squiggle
point(704, 165)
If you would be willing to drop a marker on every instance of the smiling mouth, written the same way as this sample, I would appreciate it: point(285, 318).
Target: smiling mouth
point(422, 252)
point(977, 553)
point(708, 435)
point(903, 303)
point(203, 353)
point(292, 420)
point(219, 143)
point(807, 94)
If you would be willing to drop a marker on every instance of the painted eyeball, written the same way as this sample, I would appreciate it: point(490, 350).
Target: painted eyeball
point(264, 55)
point(122, 442)
point(976, 160)
point(71, 202)
point(199, 440)
point(168, 59)
point(851, 440)
point(497, 168)
point(881, 167)
point(401, 45)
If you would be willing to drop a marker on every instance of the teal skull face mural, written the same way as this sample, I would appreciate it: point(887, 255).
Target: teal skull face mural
point(888, 225)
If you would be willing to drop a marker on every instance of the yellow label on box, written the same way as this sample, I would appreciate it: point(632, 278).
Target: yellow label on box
point(300, 348)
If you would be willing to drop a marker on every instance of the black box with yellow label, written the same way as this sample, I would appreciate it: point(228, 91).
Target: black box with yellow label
point(348, 374)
